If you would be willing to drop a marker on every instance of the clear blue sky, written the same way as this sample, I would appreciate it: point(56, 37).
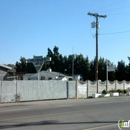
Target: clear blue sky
point(29, 27)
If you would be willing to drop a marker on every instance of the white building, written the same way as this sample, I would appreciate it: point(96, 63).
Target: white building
point(3, 71)
point(47, 75)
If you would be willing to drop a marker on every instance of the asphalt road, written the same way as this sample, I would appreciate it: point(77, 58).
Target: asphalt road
point(74, 114)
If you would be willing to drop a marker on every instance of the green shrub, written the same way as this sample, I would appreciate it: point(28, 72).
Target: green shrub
point(124, 91)
point(119, 91)
point(104, 92)
point(101, 96)
point(112, 91)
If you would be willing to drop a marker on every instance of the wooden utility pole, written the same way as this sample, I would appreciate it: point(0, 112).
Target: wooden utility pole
point(96, 15)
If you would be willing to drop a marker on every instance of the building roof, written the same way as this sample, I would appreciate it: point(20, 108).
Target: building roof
point(27, 75)
point(5, 66)
point(60, 78)
point(53, 73)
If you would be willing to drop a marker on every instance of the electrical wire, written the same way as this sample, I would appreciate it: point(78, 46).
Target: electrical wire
point(115, 8)
point(119, 14)
point(115, 33)
point(114, 14)
point(93, 35)
point(107, 6)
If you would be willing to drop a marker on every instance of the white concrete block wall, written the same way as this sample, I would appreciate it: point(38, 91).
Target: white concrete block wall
point(119, 85)
point(27, 90)
point(81, 89)
point(126, 84)
point(92, 88)
point(8, 91)
point(0, 91)
point(52, 89)
point(101, 86)
point(71, 89)
point(41, 90)
point(111, 85)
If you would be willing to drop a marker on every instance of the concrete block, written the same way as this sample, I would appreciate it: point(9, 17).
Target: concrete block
point(115, 94)
point(96, 95)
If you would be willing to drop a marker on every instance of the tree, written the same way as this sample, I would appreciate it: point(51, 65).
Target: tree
point(120, 70)
point(127, 71)
point(56, 50)
point(82, 66)
point(49, 53)
point(30, 68)
point(18, 67)
point(102, 69)
point(49, 64)
point(65, 64)
point(85, 68)
point(56, 60)
point(21, 66)
point(92, 70)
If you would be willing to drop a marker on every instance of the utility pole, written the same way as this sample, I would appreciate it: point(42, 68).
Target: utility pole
point(96, 15)
point(73, 68)
point(73, 64)
point(106, 75)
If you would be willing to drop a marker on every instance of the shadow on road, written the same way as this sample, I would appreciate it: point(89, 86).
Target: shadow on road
point(52, 122)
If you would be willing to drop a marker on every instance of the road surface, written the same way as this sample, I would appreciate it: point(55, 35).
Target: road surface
point(71, 114)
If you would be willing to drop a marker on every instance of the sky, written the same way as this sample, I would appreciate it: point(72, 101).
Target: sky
point(30, 27)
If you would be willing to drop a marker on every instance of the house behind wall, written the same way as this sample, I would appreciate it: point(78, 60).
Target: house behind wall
point(3, 71)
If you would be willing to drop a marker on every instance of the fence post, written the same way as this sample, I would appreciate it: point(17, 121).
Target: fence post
point(124, 84)
point(76, 87)
point(67, 89)
point(1, 92)
point(87, 88)
point(115, 85)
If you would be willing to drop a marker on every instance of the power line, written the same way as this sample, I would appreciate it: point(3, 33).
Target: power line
point(114, 33)
point(120, 14)
point(115, 8)
point(107, 5)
